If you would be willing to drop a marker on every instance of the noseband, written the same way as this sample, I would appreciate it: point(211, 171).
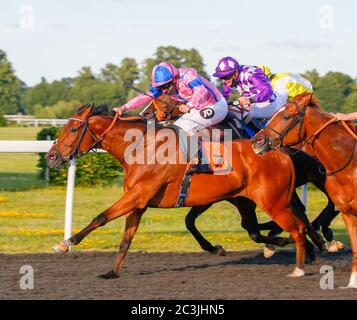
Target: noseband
point(276, 143)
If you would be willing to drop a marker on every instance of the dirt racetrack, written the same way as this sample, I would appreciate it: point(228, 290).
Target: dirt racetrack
point(239, 275)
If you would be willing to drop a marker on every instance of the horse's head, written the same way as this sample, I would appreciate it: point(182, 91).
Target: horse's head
point(76, 138)
point(164, 111)
point(286, 128)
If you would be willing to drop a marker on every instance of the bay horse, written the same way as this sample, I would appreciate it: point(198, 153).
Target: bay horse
point(333, 142)
point(157, 185)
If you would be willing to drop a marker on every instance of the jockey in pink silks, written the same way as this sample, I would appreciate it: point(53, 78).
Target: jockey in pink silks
point(203, 105)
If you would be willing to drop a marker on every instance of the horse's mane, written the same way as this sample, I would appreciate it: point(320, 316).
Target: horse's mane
point(107, 111)
point(101, 110)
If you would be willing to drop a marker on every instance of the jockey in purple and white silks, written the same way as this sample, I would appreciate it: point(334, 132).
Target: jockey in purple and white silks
point(203, 105)
point(253, 86)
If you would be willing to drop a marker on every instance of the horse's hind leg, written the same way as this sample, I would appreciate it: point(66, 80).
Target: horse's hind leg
point(190, 219)
point(324, 219)
point(350, 220)
point(131, 226)
point(246, 208)
point(286, 220)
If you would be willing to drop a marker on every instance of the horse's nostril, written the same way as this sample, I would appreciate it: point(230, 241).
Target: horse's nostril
point(52, 157)
point(259, 141)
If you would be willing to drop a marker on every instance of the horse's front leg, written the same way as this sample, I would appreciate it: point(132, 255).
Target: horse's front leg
point(131, 226)
point(134, 199)
point(350, 220)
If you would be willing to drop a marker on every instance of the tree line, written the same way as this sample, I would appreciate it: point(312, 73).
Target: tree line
point(335, 91)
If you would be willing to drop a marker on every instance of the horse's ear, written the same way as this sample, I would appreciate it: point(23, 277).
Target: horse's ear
point(304, 99)
point(85, 110)
point(292, 108)
point(313, 100)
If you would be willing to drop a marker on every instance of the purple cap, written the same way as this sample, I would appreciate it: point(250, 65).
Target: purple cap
point(226, 66)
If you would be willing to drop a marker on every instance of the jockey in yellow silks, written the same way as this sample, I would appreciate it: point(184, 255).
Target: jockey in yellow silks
point(287, 85)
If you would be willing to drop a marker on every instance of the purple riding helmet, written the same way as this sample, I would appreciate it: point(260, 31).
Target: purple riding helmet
point(226, 66)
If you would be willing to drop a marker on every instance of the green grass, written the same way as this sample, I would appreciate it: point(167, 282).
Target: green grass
point(19, 133)
point(40, 217)
point(32, 217)
point(18, 171)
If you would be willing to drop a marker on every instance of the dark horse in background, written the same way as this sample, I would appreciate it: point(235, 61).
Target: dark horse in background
point(306, 169)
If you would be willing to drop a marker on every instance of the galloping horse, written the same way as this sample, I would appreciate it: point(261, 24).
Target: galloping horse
point(157, 185)
point(306, 169)
point(333, 142)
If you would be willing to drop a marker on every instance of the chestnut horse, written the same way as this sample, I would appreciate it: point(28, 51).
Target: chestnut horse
point(306, 169)
point(333, 142)
point(157, 185)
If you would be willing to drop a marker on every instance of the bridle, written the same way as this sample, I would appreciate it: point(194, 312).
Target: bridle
point(299, 119)
point(276, 143)
point(76, 151)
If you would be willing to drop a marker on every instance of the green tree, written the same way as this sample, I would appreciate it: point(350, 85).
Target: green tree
point(350, 104)
point(60, 110)
point(60, 91)
point(87, 88)
point(113, 75)
point(332, 90)
point(47, 94)
point(313, 76)
point(37, 95)
point(10, 87)
point(178, 57)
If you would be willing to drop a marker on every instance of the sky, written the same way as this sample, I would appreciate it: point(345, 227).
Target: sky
point(55, 39)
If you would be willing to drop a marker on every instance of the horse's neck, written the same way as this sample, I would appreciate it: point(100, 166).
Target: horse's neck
point(331, 145)
point(114, 141)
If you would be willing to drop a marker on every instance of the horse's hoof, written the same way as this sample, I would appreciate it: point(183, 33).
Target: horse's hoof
point(335, 246)
point(268, 251)
point(62, 247)
point(297, 273)
point(348, 287)
point(109, 275)
point(219, 251)
point(340, 245)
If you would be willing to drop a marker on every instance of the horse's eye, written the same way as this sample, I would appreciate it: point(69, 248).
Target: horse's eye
point(74, 129)
point(286, 117)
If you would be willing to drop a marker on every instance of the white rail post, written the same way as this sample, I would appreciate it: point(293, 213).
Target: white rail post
point(304, 195)
point(69, 199)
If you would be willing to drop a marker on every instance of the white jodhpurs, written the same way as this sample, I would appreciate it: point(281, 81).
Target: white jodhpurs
point(196, 120)
point(263, 111)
